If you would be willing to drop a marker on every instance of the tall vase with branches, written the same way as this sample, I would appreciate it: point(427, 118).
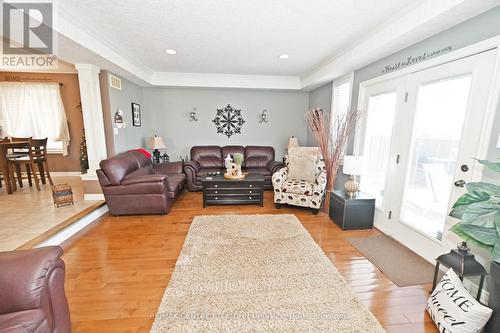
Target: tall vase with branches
point(332, 136)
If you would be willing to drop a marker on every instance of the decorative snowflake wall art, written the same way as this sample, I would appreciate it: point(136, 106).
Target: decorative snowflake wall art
point(228, 121)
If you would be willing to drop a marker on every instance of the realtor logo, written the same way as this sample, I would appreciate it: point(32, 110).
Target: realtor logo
point(28, 37)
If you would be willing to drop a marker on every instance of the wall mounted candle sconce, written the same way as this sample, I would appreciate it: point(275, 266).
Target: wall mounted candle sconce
point(263, 116)
point(192, 115)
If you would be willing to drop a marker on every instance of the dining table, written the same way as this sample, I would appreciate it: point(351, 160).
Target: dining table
point(4, 162)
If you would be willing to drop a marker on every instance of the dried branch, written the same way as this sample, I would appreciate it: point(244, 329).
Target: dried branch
point(332, 137)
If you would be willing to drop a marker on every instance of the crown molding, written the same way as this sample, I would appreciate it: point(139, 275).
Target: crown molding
point(202, 80)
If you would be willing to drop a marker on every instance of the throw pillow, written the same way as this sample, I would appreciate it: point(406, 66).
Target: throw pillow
point(302, 168)
point(453, 309)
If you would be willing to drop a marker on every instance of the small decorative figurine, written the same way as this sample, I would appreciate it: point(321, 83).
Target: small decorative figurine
point(227, 162)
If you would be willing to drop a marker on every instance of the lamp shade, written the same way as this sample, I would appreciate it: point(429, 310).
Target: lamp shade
point(353, 165)
point(293, 142)
point(156, 142)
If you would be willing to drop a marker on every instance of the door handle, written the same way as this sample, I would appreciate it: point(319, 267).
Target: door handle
point(460, 183)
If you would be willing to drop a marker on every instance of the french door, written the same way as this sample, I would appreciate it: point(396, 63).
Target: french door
point(419, 139)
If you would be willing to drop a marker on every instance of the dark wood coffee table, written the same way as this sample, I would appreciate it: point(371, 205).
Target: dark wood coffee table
point(218, 190)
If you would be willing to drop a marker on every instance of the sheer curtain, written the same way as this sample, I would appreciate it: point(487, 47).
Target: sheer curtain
point(33, 110)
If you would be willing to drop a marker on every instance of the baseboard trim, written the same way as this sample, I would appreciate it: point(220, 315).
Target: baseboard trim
point(61, 226)
point(74, 228)
point(93, 196)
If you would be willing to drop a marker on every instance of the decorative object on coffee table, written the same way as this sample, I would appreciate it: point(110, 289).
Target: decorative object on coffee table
point(351, 213)
point(227, 163)
point(156, 143)
point(353, 166)
point(218, 190)
point(238, 159)
point(228, 121)
point(62, 195)
point(332, 136)
point(463, 263)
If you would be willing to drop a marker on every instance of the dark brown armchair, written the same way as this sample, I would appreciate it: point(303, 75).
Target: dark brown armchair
point(32, 297)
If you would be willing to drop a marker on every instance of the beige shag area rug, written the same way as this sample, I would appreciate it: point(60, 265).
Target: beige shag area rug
point(257, 273)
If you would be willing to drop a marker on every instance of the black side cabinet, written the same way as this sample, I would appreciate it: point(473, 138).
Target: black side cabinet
point(352, 213)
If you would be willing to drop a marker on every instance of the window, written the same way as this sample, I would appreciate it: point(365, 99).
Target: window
point(341, 97)
point(34, 110)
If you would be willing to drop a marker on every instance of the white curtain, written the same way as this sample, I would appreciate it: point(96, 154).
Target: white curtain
point(33, 110)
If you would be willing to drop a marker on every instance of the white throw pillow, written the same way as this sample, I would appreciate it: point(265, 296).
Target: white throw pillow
point(453, 309)
point(302, 168)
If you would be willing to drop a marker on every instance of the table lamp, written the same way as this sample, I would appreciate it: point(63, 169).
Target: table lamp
point(353, 166)
point(156, 143)
point(293, 142)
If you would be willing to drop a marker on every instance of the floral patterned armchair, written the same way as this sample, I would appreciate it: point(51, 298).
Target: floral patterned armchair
point(299, 192)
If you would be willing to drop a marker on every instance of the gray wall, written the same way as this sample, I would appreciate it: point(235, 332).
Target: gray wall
point(165, 112)
point(320, 97)
point(131, 136)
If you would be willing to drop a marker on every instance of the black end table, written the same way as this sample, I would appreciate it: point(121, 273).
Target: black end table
point(218, 190)
point(352, 213)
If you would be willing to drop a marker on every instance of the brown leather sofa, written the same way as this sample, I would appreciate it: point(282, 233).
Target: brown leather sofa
point(132, 185)
point(205, 159)
point(32, 297)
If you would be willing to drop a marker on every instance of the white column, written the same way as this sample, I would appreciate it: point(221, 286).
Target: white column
point(90, 94)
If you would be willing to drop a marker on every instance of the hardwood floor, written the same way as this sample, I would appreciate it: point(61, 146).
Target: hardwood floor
point(117, 269)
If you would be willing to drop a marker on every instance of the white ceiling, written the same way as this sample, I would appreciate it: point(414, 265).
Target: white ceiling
point(236, 43)
point(233, 36)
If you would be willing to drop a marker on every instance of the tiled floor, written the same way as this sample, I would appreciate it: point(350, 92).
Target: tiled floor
point(28, 213)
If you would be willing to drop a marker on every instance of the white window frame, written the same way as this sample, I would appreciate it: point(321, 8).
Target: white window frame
point(349, 78)
point(56, 151)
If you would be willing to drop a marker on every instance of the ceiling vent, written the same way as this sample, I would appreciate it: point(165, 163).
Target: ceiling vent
point(115, 82)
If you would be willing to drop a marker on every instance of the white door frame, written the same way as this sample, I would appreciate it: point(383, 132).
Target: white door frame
point(487, 126)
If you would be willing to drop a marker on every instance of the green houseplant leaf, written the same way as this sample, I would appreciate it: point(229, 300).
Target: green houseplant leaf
point(479, 212)
point(458, 230)
point(492, 189)
point(494, 166)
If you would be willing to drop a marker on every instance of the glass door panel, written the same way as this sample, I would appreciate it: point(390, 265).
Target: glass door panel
point(439, 120)
point(377, 143)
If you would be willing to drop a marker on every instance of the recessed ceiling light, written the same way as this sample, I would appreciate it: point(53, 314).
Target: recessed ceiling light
point(170, 51)
point(283, 56)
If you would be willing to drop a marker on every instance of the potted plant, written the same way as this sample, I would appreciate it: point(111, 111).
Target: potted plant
point(238, 159)
point(479, 214)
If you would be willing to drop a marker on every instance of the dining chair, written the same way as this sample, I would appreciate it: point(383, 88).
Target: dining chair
point(1, 175)
point(37, 157)
point(18, 152)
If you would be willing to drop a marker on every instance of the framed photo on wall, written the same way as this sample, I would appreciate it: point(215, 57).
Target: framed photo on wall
point(136, 114)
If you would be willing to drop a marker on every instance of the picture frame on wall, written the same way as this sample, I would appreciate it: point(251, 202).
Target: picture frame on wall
point(136, 114)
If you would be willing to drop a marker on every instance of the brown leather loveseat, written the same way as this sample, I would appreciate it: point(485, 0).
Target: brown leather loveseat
point(32, 297)
point(132, 185)
point(205, 159)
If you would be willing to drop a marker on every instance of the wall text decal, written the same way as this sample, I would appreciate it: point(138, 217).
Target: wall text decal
point(411, 60)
